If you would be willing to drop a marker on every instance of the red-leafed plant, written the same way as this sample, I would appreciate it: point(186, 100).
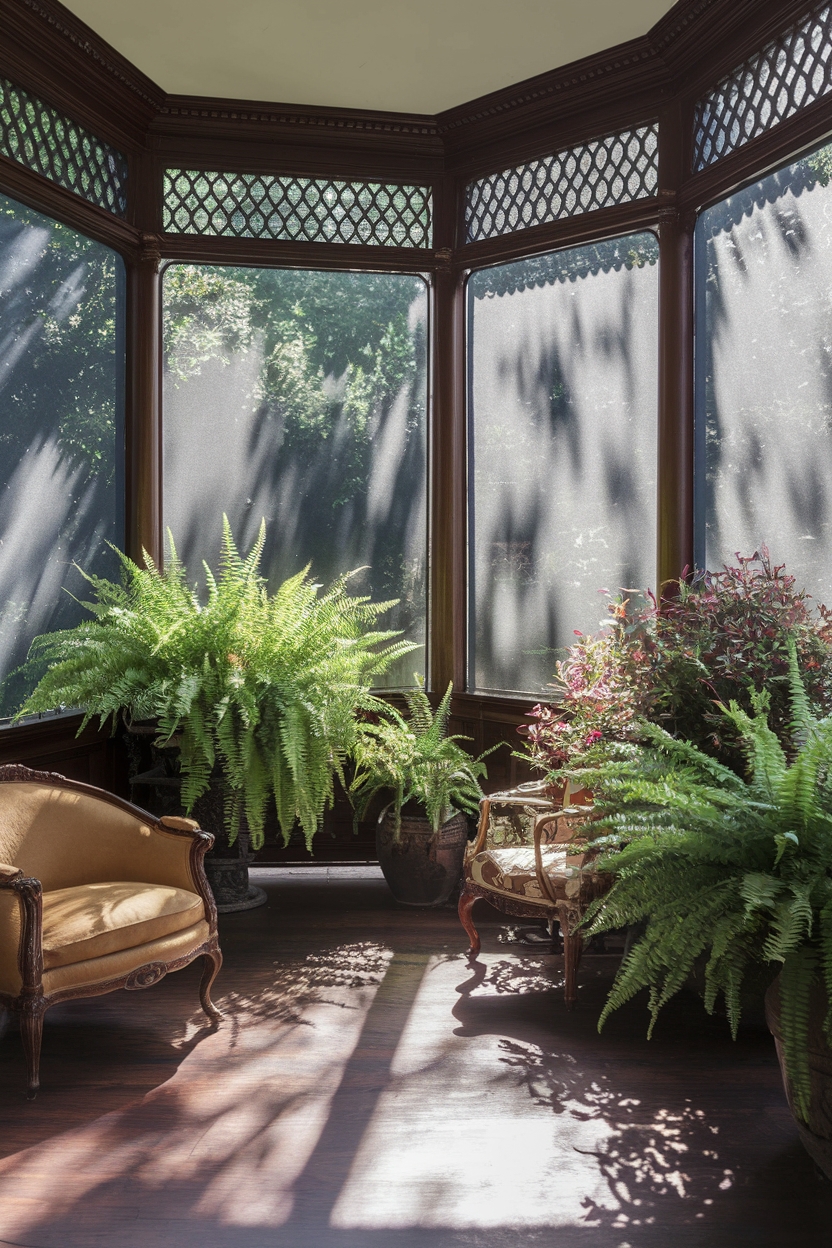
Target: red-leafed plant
point(724, 635)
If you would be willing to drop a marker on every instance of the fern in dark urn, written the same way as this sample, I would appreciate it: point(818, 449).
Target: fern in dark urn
point(707, 863)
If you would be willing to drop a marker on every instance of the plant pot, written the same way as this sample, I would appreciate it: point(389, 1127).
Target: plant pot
point(226, 866)
point(816, 1135)
point(422, 868)
point(228, 878)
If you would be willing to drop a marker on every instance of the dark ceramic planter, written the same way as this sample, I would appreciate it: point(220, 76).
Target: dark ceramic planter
point(228, 878)
point(816, 1135)
point(226, 865)
point(422, 868)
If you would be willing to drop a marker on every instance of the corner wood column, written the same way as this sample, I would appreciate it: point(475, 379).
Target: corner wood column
point(447, 613)
point(143, 422)
point(675, 434)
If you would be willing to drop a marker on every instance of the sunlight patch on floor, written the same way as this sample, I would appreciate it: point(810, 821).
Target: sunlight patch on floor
point(228, 1136)
point(492, 1157)
point(481, 1128)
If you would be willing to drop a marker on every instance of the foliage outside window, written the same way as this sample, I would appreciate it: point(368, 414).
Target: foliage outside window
point(301, 396)
point(764, 373)
point(562, 451)
point(61, 439)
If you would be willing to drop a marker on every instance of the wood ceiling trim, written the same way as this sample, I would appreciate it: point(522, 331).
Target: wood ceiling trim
point(49, 50)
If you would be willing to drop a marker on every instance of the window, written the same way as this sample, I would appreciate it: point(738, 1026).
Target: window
point(764, 373)
point(790, 73)
point(301, 397)
point(599, 174)
point(562, 450)
point(61, 439)
point(304, 210)
point(36, 135)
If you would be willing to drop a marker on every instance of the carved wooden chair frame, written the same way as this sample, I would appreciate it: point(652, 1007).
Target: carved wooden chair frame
point(556, 905)
point(32, 1003)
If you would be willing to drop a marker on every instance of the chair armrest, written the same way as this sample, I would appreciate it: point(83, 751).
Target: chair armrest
point(482, 827)
point(531, 798)
point(21, 924)
point(180, 824)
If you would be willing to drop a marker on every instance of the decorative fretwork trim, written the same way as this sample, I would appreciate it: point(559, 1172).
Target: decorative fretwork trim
point(791, 72)
point(314, 210)
point(36, 135)
point(600, 174)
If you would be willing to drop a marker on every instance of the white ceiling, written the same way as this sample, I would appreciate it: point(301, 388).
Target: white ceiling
point(421, 57)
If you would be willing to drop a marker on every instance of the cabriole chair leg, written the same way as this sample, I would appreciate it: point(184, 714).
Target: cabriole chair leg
point(31, 1032)
point(212, 963)
point(466, 903)
point(572, 949)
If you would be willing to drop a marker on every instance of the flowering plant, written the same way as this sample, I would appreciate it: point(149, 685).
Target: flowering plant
point(724, 635)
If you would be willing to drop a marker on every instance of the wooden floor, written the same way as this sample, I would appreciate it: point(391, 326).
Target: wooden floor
point(370, 1089)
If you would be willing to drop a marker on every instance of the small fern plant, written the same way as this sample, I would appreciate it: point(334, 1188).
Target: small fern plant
point(266, 686)
point(707, 863)
point(416, 761)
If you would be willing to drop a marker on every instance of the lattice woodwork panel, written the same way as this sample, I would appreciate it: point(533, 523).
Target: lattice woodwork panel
point(36, 135)
point(600, 174)
point(247, 205)
point(790, 72)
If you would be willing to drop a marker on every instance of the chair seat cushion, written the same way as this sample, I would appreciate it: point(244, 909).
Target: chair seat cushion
point(512, 872)
point(95, 919)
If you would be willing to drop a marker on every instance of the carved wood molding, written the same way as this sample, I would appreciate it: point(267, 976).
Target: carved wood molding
point(13, 773)
point(200, 109)
point(83, 39)
point(145, 976)
point(691, 38)
point(44, 1001)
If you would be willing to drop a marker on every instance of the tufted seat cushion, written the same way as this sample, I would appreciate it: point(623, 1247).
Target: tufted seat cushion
point(512, 872)
point(92, 920)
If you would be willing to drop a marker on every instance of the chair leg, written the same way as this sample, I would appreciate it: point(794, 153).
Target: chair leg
point(572, 949)
point(212, 963)
point(31, 1032)
point(466, 903)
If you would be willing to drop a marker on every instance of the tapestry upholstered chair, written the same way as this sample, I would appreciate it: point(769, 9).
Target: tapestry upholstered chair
point(95, 894)
point(520, 863)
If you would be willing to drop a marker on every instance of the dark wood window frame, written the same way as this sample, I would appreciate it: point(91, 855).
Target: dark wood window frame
point(661, 76)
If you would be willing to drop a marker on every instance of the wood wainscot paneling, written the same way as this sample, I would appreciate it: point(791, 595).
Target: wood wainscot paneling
point(53, 744)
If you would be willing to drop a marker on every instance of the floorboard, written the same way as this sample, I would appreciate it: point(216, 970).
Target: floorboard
point(369, 1088)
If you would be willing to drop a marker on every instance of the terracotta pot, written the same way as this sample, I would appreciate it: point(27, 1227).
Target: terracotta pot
point(422, 867)
point(816, 1135)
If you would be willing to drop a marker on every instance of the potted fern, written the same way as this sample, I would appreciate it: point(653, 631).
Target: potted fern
point(432, 786)
point(736, 869)
point(260, 690)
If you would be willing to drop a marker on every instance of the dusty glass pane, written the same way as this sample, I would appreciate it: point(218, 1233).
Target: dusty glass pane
point(61, 440)
point(301, 396)
point(562, 447)
point(764, 374)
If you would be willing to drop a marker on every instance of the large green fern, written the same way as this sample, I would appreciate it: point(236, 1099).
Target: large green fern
point(709, 864)
point(415, 760)
point(264, 685)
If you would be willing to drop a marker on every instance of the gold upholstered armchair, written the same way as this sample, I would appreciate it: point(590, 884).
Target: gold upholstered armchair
point(95, 894)
point(533, 858)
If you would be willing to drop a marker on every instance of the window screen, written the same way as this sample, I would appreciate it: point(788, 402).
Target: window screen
point(301, 396)
point(61, 441)
point(562, 446)
point(764, 373)
point(790, 73)
point(598, 174)
point(36, 135)
point(303, 210)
